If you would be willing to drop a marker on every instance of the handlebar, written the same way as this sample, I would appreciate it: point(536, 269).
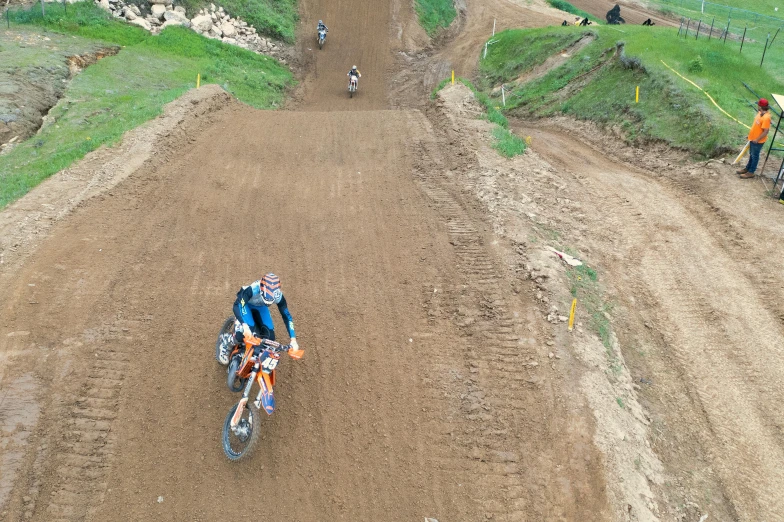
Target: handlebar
point(274, 346)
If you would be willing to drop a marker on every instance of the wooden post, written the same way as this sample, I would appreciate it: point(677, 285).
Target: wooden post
point(43, 11)
point(453, 76)
point(726, 31)
point(637, 95)
point(698, 30)
point(198, 80)
point(710, 33)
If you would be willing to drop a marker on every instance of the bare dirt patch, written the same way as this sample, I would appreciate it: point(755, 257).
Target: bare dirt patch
point(633, 13)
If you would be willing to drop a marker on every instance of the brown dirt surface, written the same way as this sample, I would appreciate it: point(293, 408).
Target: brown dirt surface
point(632, 12)
point(439, 378)
point(423, 392)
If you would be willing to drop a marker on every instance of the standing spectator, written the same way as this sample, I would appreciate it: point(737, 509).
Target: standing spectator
point(758, 135)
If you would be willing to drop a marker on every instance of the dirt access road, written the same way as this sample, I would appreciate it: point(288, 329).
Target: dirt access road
point(694, 261)
point(423, 392)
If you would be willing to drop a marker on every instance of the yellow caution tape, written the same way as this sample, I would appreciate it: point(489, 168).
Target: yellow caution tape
point(706, 94)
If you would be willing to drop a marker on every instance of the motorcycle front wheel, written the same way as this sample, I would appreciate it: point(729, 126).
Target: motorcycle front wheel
point(240, 444)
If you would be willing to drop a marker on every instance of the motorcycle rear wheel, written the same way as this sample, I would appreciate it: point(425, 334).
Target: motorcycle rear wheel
point(228, 327)
point(251, 421)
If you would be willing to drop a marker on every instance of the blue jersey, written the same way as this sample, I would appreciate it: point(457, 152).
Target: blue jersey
point(249, 298)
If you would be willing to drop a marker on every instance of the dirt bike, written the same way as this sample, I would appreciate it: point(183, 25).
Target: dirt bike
point(352, 86)
point(243, 423)
point(322, 36)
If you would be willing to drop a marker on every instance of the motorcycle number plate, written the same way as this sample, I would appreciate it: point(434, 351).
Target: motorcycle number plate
point(269, 364)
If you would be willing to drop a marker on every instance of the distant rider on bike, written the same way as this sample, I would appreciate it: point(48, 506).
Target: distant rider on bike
point(322, 26)
point(355, 73)
point(251, 308)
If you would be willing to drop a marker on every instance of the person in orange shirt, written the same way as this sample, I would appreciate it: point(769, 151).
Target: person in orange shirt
point(758, 135)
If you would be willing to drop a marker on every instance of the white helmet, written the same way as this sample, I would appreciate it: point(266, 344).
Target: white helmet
point(353, 67)
point(320, 22)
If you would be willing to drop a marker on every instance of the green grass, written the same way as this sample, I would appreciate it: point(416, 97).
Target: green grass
point(759, 18)
point(670, 110)
point(276, 18)
point(514, 53)
point(569, 8)
point(435, 14)
point(83, 19)
point(121, 92)
point(507, 143)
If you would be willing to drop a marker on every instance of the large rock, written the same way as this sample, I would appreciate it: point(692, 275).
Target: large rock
point(202, 23)
point(136, 10)
point(168, 23)
point(104, 4)
point(141, 22)
point(179, 9)
point(216, 32)
point(176, 16)
point(129, 14)
point(228, 29)
point(158, 10)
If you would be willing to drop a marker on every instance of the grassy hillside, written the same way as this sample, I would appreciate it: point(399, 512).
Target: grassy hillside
point(598, 83)
point(123, 91)
point(435, 14)
point(276, 18)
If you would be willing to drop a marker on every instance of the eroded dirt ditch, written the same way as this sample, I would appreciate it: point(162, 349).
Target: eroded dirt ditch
point(35, 69)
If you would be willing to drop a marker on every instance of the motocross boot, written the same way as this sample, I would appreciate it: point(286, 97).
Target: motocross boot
point(228, 342)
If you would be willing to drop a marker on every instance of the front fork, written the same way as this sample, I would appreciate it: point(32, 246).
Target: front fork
point(244, 401)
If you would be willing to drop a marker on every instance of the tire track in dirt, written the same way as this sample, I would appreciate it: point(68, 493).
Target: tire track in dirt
point(505, 394)
point(83, 458)
point(728, 345)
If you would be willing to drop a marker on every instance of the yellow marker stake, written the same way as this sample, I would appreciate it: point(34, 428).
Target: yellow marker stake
point(198, 80)
point(571, 314)
point(637, 95)
point(453, 77)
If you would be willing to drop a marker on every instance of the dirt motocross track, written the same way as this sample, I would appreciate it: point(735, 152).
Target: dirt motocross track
point(436, 381)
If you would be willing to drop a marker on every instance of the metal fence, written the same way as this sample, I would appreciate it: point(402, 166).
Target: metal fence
point(755, 34)
point(757, 24)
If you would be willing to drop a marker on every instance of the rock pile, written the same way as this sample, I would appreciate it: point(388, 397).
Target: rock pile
point(212, 22)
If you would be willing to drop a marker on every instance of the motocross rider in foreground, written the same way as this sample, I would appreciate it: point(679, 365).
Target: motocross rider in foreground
point(355, 73)
point(251, 308)
point(322, 26)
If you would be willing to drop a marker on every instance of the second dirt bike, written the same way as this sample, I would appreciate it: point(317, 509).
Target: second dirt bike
point(352, 86)
point(243, 423)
